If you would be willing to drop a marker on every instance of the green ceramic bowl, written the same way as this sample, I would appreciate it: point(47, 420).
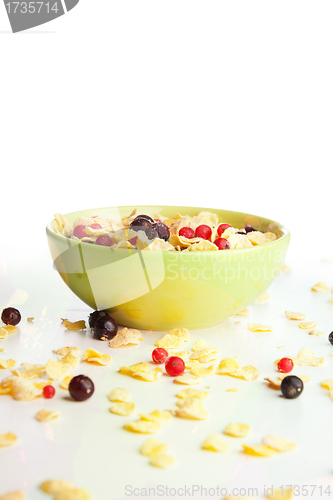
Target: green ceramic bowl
point(160, 290)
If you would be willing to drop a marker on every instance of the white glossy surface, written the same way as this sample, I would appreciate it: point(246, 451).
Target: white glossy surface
point(88, 445)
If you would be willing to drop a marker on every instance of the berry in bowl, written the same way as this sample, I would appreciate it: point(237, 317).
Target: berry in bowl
point(160, 267)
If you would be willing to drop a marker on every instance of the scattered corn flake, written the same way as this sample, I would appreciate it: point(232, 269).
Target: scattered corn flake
point(28, 367)
point(192, 393)
point(205, 355)
point(215, 442)
point(162, 461)
point(71, 359)
point(278, 443)
point(169, 341)
point(201, 371)
point(30, 320)
point(262, 299)
point(227, 366)
point(285, 493)
point(243, 312)
point(24, 390)
point(148, 376)
point(285, 269)
point(295, 315)
point(181, 333)
point(188, 379)
point(256, 327)
point(239, 241)
point(56, 370)
point(126, 336)
point(65, 350)
point(123, 409)
point(153, 448)
point(26, 375)
point(319, 334)
point(142, 426)
point(327, 384)
point(73, 494)
point(308, 325)
point(191, 408)
point(120, 395)
point(96, 357)
point(13, 495)
point(8, 329)
point(7, 439)
point(7, 363)
point(76, 325)
point(2, 349)
point(320, 287)
point(182, 354)
point(64, 384)
point(53, 487)
point(232, 389)
point(259, 450)
point(237, 430)
point(137, 367)
point(47, 415)
point(331, 300)
point(306, 357)
point(158, 416)
point(199, 345)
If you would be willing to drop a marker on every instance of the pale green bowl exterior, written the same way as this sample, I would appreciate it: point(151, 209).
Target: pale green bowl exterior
point(163, 290)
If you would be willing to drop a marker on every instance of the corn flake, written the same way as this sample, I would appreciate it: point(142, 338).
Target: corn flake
point(183, 354)
point(126, 336)
point(256, 327)
point(7, 439)
point(205, 355)
point(73, 494)
point(76, 325)
point(201, 371)
point(13, 495)
point(192, 393)
point(278, 443)
point(308, 325)
point(169, 341)
point(262, 299)
point(259, 450)
point(142, 426)
point(6, 330)
point(7, 363)
point(191, 408)
point(65, 382)
point(320, 287)
point(285, 493)
point(70, 359)
point(285, 269)
point(153, 448)
point(239, 241)
point(56, 370)
point(232, 389)
point(297, 316)
point(188, 379)
point(24, 390)
point(237, 430)
point(65, 350)
point(306, 357)
point(46, 415)
point(327, 384)
point(96, 357)
point(123, 409)
point(53, 487)
point(162, 461)
point(227, 366)
point(120, 395)
point(243, 312)
point(160, 417)
point(181, 333)
point(215, 442)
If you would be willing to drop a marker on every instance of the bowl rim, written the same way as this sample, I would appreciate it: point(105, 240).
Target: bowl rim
point(283, 228)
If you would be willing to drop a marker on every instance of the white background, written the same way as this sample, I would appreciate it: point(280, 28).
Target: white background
point(218, 104)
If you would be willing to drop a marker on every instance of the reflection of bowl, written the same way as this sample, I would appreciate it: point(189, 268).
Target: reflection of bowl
point(160, 290)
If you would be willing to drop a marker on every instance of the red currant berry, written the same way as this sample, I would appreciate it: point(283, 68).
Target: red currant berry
point(80, 232)
point(95, 225)
point(222, 244)
point(203, 231)
point(104, 240)
point(174, 366)
point(222, 228)
point(159, 355)
point(48, 391)
point(285, 365)
point(187, 232)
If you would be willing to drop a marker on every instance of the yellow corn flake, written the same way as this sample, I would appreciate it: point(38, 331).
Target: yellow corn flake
point(256, 327)
point(30, 320)
point(285, 269)
point(153, 448)
point(7, 439)
point(306, 357)
point(199, 345)
point(28, 367)
point(4, 391)
point(215, 442)
point(256, 238)
point(65, 382)
point(7, 363)
point(26, 375)
point(201, 371)
point(237, 430)
point(2, 349)
point(160, 417)
point(73, 494)
point(47, 415)
point(13, 495)
point(205, 355)
point(187, 379)
point(248, 373)
point(76, 325)
point(123, 409)
point(41, 385)
point(295, 315)
point(270, 237)
point(320, 287)
point(262, 299)
point(65, 350)
point(331, 300)
point(327, 384)
point(181, 333)
point(278, 443)
point(53, 487)
point(24, 390)
point(149, 376)
point(239, 241)
point(120, 395)
point(319, 334)
point(243, 312)
point(191, 408)
point(192, 393)
point(308, 325)
point(182, 354)
point(285, 493)
point(169, 341)
point(259, 450)
point(6, 386)
point(137, 367)
point(70, 359)
point(96, 357)
point(56, 370)
point(162, 461)
point(232, 389)
point(142, 426)
point(227, 366)
point(126, 336)
point(6, 330)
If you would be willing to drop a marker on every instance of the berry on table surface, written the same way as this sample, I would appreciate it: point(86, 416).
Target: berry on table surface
point(291, 387)
point(94, 316)
point(79, 232)
point(48, 391)
point(222, 243)
point(11, 316)
point(285, 365)
point(186, 232)
point(159, 355)
point(330, 338)
point(104, 240)
point(105, 328)
point(81, 388)
point(222, 227)
point(174, 366)
point(203, 231)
